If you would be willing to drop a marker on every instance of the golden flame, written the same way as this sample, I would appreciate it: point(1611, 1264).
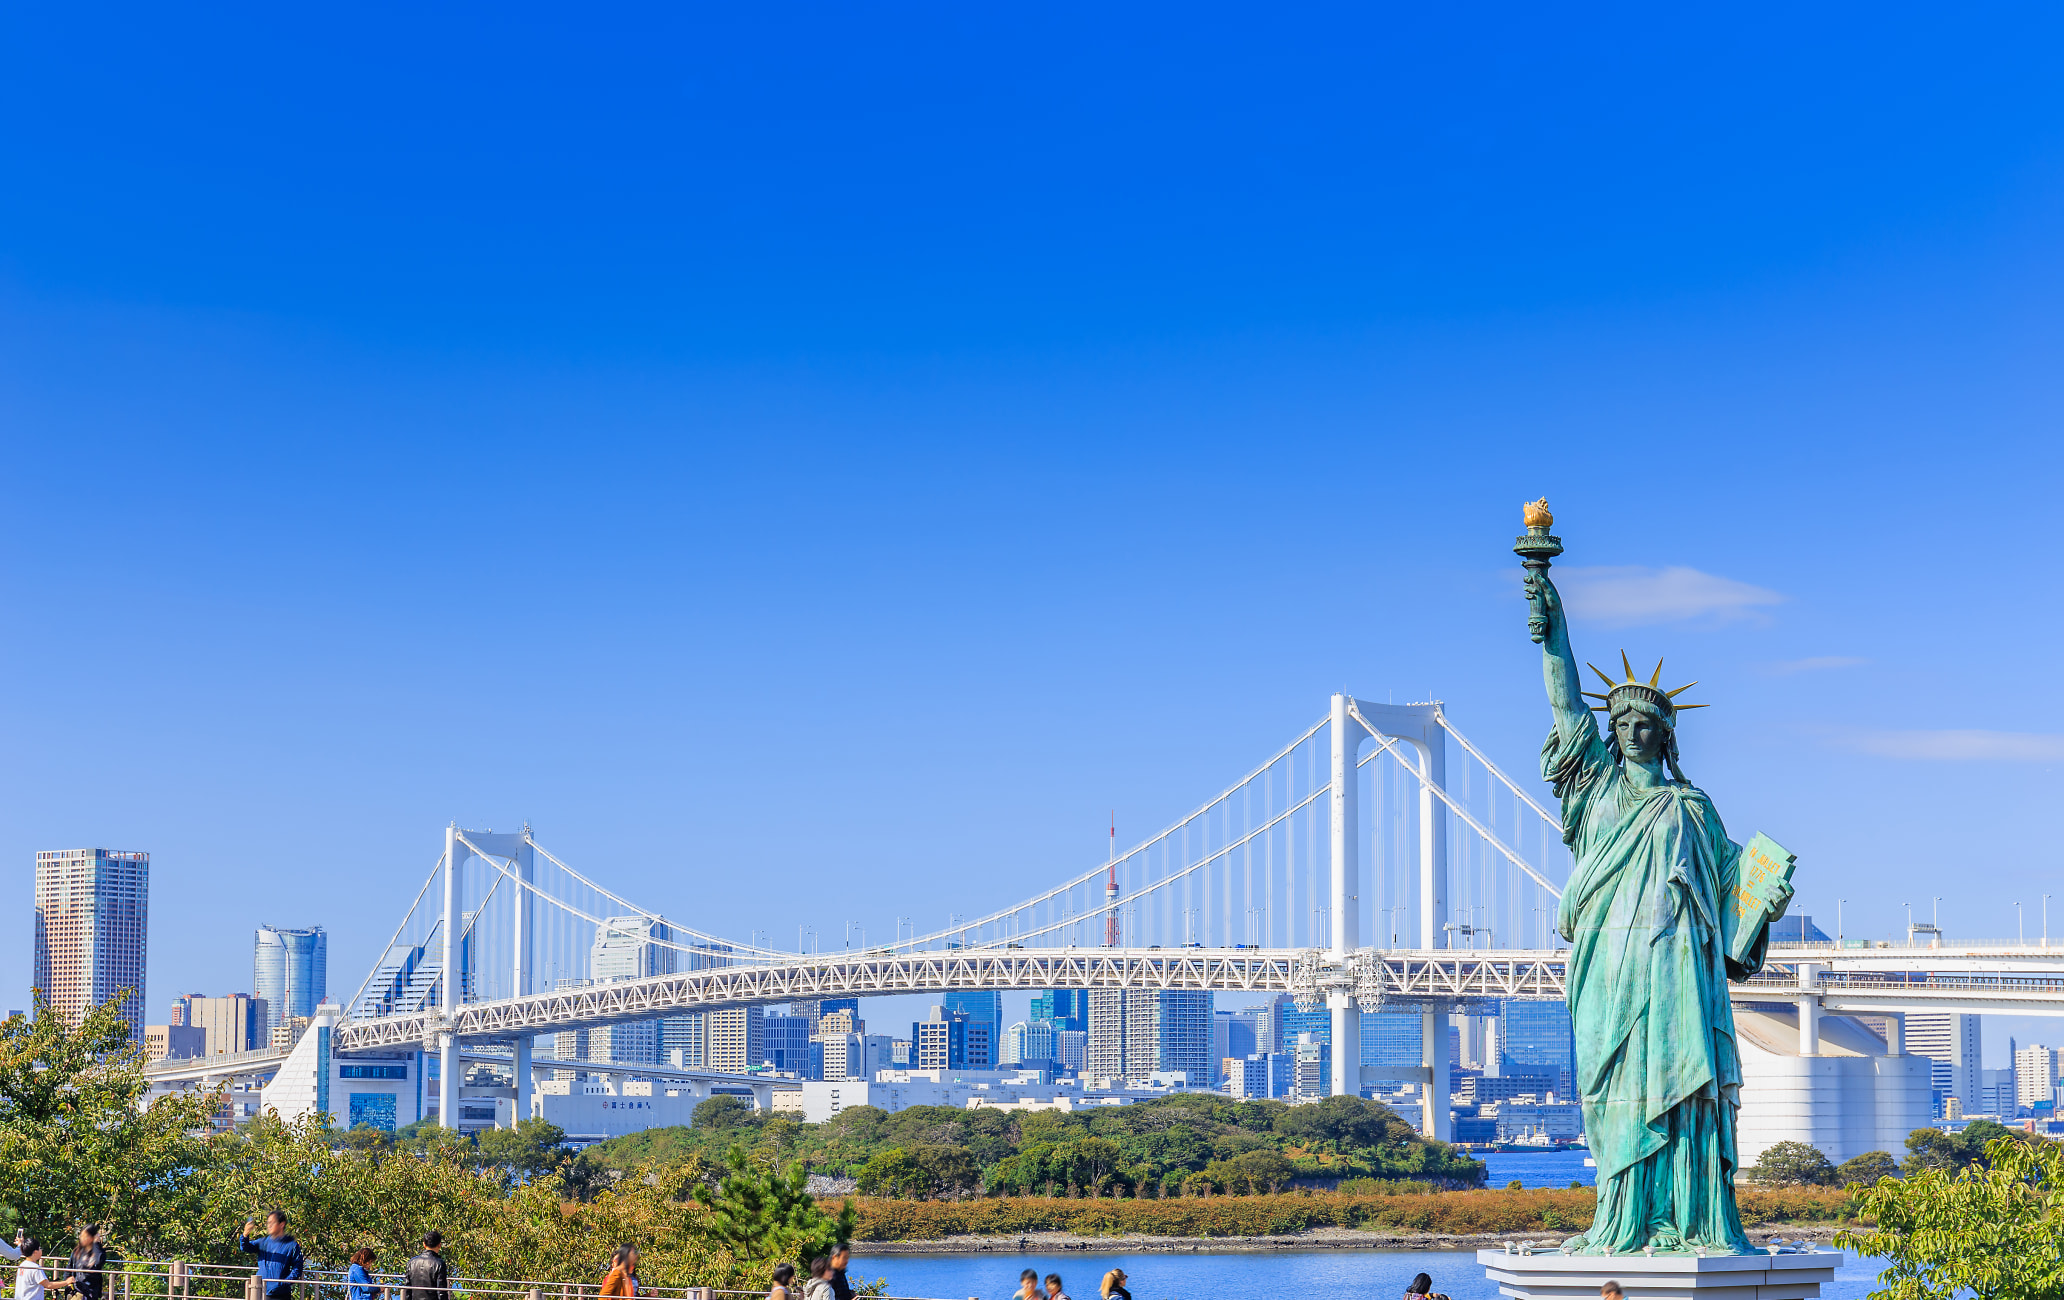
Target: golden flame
point(1536, 515)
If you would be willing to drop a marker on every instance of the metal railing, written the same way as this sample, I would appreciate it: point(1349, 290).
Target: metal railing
point(158, 1279)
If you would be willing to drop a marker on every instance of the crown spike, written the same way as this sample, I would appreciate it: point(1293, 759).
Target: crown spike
point(1679, 691)
point(1682, 707)
point(1628, 666)
point(1609, 682)
point(1657, 675)
point(1593, 695)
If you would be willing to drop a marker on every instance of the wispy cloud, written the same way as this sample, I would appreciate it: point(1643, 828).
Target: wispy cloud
point(1632, 595)
point(1818, 663)
point(1956, 746)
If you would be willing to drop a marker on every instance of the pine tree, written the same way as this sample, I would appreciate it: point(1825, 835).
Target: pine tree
point(761, 1213)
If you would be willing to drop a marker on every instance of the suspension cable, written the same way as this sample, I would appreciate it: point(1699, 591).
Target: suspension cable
point(650, 916)
point(1388, 743)
point(398, 929)
point(1441, 716)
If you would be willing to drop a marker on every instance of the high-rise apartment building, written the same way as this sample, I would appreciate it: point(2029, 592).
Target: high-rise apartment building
point(1105, 1053)
point(1311, 1063)
point(1950, 1040)
point(2035, 1075)
point(181, 1014)
point(735, 1042)
point(939, 1041)
point(1538, 1038)
point(1071, 1047)
point(290, 970)
point(1167, 1031)
point(1261, 1075)
point(817, 1009)
point(91, 925)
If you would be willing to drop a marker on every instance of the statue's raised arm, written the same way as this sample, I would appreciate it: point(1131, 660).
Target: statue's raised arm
point(1549, 626)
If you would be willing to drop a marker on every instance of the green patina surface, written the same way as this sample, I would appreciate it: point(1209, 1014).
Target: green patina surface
point(1657, 1065)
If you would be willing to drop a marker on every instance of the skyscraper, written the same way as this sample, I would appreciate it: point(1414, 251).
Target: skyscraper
point(91, 924)
point(1062, 1008)
point(1104, 1051)
point(984, 1011)
point(733, 1039)
point(1537, 1038)
point(1949, 1039)
point(290, 970)
point(1167, 1031)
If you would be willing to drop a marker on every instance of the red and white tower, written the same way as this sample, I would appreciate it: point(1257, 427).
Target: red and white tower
point(1111, 891)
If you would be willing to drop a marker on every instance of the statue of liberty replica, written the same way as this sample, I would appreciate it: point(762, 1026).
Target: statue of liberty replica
point(1661, 910)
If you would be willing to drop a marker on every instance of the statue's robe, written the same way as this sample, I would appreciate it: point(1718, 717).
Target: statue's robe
point(1657, 1066)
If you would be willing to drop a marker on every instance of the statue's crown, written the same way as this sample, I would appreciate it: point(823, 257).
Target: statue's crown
point(1664, 701)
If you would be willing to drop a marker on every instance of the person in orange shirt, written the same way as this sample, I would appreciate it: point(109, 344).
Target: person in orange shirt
point(623, 1273)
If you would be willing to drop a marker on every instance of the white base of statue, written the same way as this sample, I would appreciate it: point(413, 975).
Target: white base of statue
point(1550, 1275)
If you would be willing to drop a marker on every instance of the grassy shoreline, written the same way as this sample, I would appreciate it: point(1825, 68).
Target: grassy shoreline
point(1465, 1214)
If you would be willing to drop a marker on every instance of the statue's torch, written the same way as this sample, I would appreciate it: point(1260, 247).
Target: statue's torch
point(1535, 551)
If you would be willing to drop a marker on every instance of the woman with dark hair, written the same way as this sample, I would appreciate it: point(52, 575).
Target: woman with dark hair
point(361, 1276)
point(783, 1275)
point(1421, 1287)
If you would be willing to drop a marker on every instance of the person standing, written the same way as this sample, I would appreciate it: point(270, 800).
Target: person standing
point(784, 1273)
point(30, 1281)
point(279, 1256)
point(86, 1262)
point(841, 1257)
point(623, 1273)
point(428, 1277)
point(1028, 1287)
point(1114, 1286)
point(1053, 1287)
point(360, 1279)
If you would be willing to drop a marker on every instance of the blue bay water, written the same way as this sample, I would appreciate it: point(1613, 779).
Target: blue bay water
point(1234, 1275)
point(1538, 1168)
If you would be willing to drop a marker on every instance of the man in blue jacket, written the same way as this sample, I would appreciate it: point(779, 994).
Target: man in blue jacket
point(279, 1256)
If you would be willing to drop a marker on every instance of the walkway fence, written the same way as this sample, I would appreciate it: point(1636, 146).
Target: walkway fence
point(157, 1279)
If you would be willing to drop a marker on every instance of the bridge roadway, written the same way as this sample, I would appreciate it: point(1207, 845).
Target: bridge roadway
point(2011, 978)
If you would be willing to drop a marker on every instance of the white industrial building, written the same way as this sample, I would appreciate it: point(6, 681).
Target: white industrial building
point(1836, 1085)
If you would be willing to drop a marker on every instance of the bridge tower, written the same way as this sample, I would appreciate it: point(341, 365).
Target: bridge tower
point(520, 859)
point(1418, 727)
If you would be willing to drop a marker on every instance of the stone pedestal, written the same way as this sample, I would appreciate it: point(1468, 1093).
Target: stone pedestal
point(1554, 1276)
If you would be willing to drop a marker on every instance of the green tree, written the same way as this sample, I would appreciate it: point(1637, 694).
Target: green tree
point(1798, 1164)
point(1994, 1230)
point(1934, 1148)
point(531, 1148)
point(76, 1142)
point(761, 1214)
point(1867, 1168)
point(894, 1172)
point(722, 1112)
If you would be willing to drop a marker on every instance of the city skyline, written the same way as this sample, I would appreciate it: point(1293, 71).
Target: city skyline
point(566, 459)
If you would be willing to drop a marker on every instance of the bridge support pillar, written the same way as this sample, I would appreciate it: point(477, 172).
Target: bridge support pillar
point(1809, 1009)
point(1433, 1054)
point(524, 1083)
point(448, 1070)
point(1344, 1078)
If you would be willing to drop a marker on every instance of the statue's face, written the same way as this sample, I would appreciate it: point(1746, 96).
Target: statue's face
point(1640, 736)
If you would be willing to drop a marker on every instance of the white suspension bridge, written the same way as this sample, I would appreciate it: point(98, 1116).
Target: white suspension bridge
point(1379, 861)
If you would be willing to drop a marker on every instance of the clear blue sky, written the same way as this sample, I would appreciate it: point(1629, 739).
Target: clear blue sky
point(813, 464)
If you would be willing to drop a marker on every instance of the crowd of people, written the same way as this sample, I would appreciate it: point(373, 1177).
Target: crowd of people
point(83, 1274)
